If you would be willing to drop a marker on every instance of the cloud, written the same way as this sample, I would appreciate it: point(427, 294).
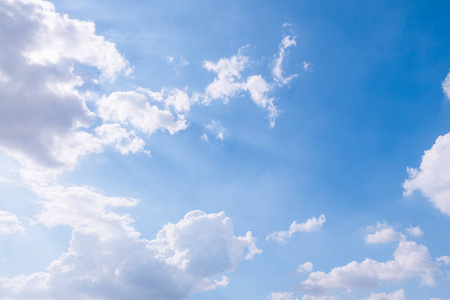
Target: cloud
point(410, 260)
point(432, 177)
point(310, 225)
point(133, 108)
point(309, 297)
point(446, 86)
point(42, 115)
point(124, 141)
point(444, 260)
point(414, 231)
point(107, 259)
point(281, 296)
point(215, 128)
point(9, 223)
point(306, 267)
point(307, 66)
point(277, 69)
point(384, 233)
point(259, 90)
point(205, 137)
point(397, 295)
point(228, 82)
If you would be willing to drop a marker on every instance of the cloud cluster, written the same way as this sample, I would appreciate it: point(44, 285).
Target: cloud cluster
point(397, 295)
point(42, 115)
point(312, 224)
point(107, 259)
point(410, 260)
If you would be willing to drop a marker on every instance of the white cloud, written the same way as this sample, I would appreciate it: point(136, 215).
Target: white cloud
point(397, 295)
point(259, 90)
point(310, 225)
point(282, 296)
point(124, 141)
point(277, 70)
point(306, 267)
point(133, 108)
point(410, 260)
point(444, 260)
point(227, 83)
point(42, 115)
point(217, 129)
point(414, 231)
point(107, 259)
point(446, 86)
point(384, 233)
point(432, 178)
point(309, 297)
point(170, 58)
point(9, 223)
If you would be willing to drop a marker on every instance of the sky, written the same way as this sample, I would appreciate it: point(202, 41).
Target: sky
point(166, 150)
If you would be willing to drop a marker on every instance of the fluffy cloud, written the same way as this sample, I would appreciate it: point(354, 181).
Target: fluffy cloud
point(432, 177)
point(410, 260)
point(415, 231)
point(281, 296)
point(9, 223)
point(42, 115)
point(124, 141)
point(107, 259)
point(306, 267)
point(384, 233)
point(133, 108)
point(309, 297)
point(310, 225)
point(226, 84)
point(397, 295)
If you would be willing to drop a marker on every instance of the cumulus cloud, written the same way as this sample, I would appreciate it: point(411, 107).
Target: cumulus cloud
point(133, 108)
point(306, 267)
point(9, 223)
point(309, 297)
point(414, 231)
point(432, 177)
point(384, 233)
point(107, 259)
point(410, 260)
point(277, 69)
point(42, 115)
point(282, 296)
point(310, 225)
point(397, 295)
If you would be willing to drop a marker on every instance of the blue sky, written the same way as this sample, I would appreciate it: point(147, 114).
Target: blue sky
point(224, 150)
